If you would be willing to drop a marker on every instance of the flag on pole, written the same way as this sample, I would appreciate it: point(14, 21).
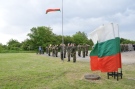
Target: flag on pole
point(94, 52)
point(52, 10)
point(117, 38)
point(105, 55)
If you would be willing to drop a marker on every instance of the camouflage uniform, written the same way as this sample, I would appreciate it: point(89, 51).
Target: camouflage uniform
point(74, 53)
point(87, 48)
point(71, 49)
point(79, 50)
point(134, 46)
point(83, 50)
point(49, 50)
point(53, 50)
point(56, 50)
point(62, 51)
point(68, 52)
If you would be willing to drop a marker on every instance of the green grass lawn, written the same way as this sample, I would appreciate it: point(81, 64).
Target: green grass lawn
point(32, 71)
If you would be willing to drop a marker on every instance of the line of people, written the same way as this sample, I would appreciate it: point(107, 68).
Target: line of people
point(70, 50)
point(127, 47)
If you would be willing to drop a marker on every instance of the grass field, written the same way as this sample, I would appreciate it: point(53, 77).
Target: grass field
point(31, 71)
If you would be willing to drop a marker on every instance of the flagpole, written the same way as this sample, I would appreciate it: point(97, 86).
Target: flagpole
point(120, 51)
point(62, 31)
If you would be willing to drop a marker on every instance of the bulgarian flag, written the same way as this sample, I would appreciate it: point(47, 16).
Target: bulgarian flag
point(94, 52)
point(116, 32)
point(105, 55)
point(52, 10)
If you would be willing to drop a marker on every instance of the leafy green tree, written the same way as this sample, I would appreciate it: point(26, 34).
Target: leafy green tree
point(13, 44)
point(1, 49)
point(126, 41)
point(27, 45)
point(68, 39)
point(80, 38)
point(41, 36)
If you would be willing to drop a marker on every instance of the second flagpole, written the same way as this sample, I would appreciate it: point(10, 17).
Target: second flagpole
point(62, 31)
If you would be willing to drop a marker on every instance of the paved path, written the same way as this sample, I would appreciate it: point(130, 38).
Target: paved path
point(128, 57)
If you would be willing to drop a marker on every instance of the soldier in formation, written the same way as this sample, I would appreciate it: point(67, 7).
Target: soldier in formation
point(79, 50)
point(62, 51)
point(83, 50)
point(126, 47)
point(56, 50)
point(73, 52)
point(70, 49)
point(49, 50)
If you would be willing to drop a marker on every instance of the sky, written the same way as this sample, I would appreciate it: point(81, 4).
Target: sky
point(17, 17)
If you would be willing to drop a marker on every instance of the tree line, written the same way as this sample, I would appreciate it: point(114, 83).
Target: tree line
point(43, 36)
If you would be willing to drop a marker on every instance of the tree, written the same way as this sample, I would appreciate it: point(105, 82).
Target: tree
point(27, 45)
point(126, 41)
point(80, 38)
point(41, 36)
point(68, 39)
point(13, 44)
point(1, 49)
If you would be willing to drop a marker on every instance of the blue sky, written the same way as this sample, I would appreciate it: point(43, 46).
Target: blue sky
point(17, 17)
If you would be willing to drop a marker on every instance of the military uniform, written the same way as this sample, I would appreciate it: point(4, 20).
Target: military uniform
point(56, 50)
point(71, 49)
point(74, 53)
point(62, 51)
point(68, 52)
point(49, 50)
point(53, 50)
point(87, 48)
point(134, 46)
point(83, 50)
point(79, 50)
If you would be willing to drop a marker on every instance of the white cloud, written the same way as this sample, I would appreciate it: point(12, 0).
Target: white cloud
point(128, 35)
point(17, 17)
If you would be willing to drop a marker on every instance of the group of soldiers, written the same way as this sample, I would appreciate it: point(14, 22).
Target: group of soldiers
point(127, 47)
point(70, 50)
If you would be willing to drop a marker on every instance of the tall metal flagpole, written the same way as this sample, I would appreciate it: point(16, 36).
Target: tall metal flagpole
point(62, 31)
point(120, 53)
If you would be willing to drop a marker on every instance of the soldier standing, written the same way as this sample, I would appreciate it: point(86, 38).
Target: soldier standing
point(49, 50)
point(74, 52)
point(87, 48)
point(62, 51)
point(134, 46)
point(83, 50)
point(71, 45)
point(53, 50)
point(68, 52)
point(56, 50)
point(79, 50)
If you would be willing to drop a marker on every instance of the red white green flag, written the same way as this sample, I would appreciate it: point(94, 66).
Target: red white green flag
point(105, 55)
point(52, 10)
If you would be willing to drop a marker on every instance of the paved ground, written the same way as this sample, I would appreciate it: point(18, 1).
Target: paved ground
point(127, 57)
